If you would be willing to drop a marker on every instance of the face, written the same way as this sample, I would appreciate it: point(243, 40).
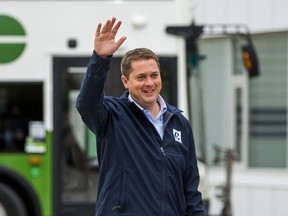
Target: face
point(144, 83)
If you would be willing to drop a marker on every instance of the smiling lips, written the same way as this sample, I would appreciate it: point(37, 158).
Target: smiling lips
point(149, 92)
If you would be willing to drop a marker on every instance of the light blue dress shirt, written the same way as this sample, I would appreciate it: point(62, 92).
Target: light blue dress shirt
point(158, 122)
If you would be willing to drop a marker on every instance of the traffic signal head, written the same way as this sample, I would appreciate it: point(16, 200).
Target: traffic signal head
point(250, 60)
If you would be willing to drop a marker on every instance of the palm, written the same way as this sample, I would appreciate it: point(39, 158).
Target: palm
point(105, 43)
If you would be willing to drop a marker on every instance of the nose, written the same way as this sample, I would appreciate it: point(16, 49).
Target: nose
point(149, 81)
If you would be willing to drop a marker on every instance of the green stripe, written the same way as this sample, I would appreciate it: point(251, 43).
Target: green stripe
point(9, 52)
point(9, 26)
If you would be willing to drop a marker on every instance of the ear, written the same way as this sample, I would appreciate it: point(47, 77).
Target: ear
point(124, 81)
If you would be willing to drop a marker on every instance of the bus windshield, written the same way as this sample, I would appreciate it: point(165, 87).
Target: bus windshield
point(21, 104)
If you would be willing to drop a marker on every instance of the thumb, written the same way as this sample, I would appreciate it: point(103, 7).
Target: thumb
point(121, 41)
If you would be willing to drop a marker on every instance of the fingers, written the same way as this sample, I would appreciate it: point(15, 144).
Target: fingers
point(111, 24)
point(121, 41)
point(98, 29)
point(117, 26)
point(105, 27)
point(108, 27)
point(104, 41)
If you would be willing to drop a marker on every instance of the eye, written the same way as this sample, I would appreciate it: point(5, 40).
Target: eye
point(155, 75)
point(140, 77)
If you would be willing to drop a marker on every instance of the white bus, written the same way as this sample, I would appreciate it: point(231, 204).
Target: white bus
point(48, 161)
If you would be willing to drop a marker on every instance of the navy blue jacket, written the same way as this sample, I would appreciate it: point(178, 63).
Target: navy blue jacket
point(140, 174)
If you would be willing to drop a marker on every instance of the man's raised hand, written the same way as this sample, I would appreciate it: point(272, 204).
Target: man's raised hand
point(104, 42)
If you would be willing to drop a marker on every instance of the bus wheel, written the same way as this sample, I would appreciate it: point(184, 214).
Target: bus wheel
point(10, 203)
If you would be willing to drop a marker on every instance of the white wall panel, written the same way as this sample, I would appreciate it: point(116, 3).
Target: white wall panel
point(260, 202)
point(280, 202)
point(280, 14)
point(240, 200)
point(259, 15)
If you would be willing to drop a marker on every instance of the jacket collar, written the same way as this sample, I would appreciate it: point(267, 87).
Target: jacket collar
point(170, 108)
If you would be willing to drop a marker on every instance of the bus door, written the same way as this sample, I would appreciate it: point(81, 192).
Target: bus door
point(75, 166)
point(74, 145)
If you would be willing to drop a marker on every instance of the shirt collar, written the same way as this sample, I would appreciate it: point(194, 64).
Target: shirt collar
point(161, 101)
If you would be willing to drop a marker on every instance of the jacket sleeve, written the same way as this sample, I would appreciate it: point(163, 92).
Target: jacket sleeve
point(90, 101)
point(191, 179)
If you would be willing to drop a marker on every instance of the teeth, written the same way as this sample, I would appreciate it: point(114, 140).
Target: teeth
point(149, 91)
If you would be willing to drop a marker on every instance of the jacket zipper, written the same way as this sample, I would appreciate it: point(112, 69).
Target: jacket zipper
point(163, 167)
point(163, 162)
point(162, 151)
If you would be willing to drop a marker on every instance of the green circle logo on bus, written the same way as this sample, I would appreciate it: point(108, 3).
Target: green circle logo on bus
point(12, 41)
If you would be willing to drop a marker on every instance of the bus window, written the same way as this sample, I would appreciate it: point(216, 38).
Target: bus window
point(79, 157)
point(21, 103)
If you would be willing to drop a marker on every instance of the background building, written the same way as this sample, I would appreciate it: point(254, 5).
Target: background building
point(247, 115)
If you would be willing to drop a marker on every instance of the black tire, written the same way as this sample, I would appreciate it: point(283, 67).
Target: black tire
point(11, 202)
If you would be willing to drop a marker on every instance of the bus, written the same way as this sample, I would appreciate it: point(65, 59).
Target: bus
point(48, 159)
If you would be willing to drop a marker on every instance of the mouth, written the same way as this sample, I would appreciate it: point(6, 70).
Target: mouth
point(149, 91)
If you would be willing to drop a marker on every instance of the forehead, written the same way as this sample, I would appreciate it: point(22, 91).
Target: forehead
point(144, 65)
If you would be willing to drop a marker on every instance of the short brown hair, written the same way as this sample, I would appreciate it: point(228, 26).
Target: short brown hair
point(134, 55)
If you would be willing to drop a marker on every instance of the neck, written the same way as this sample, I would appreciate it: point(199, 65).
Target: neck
point(155, 109)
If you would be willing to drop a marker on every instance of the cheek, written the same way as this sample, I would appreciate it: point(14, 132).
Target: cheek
point(137, 85)
point(159, 84)
point(133, 86)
